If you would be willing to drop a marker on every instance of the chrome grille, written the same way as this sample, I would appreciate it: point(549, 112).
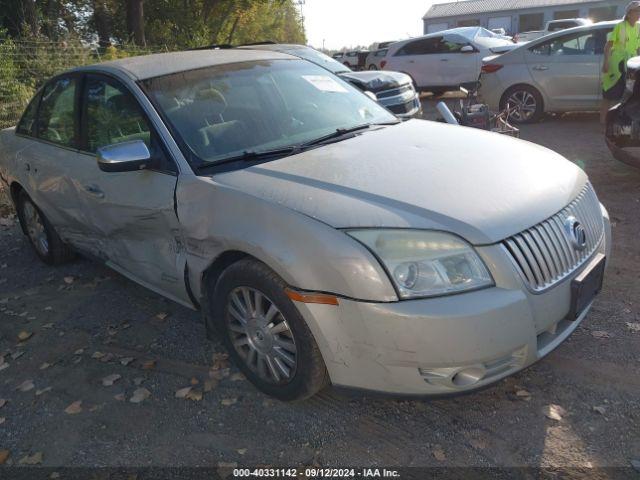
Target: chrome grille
point(395, 91)
point(544, 254)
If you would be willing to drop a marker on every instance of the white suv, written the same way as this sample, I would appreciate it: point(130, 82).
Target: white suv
point(445, 59)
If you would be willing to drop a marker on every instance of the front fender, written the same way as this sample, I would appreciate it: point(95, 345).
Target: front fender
point(306, 253)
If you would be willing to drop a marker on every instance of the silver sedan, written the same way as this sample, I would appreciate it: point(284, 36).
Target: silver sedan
point(556, 73)
point(323, 240)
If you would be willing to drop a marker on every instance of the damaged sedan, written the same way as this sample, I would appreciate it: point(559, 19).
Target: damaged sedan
point(324, 241)
point(623, 120)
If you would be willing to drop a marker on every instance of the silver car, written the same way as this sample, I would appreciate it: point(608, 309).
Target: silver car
point(323, 240)
point(556, 73)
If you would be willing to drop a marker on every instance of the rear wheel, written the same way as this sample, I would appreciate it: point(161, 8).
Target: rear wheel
point(524, 102)
point(43, 237)
point(265, 334)
point(372, 67)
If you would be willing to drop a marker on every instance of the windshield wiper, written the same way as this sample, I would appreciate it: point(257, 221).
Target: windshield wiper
point(257, 155)
point(341, 132)
point(253, 155)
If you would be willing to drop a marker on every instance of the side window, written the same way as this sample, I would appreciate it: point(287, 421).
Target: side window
point(56, 116)
point(601, 39)
point(451, 44)
point(114, 116)
point(582, 44)
point(576, 44)
point(423, 46)
point(27, 123)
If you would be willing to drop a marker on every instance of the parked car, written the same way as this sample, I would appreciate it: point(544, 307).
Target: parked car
point(338, 56)
point(351, 59)
point(554, 26)
point(445, 60)
point(557, 73)
point(393, 90)
point(323, 240)
point(623, 120)
point(375, 59)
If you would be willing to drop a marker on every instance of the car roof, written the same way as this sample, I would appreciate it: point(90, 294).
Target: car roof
point(159, 64)
point(467, 32)
point(560, 33)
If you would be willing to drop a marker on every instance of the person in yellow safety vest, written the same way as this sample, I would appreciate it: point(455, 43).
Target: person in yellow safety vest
point(622, 44)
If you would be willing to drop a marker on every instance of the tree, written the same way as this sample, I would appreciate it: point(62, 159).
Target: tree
point(135, 21)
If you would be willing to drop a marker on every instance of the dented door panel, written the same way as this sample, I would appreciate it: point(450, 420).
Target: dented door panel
point(134, 226)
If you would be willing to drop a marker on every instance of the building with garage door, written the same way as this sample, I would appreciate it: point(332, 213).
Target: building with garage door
point(517, 15)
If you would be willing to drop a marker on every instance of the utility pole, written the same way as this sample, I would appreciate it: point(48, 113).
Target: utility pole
point(300, 4)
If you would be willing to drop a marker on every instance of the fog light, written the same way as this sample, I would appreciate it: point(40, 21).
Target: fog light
point(468, 376)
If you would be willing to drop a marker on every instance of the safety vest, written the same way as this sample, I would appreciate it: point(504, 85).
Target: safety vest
point(626, 42)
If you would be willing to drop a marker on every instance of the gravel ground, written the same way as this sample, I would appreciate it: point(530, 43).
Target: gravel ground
point(88, 322)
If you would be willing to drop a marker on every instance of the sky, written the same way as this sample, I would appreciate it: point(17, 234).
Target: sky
point(349, 23)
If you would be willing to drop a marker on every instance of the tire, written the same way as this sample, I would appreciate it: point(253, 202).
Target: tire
point(258, 349)
point(373, 67)
point(523, 96)
point(42, 236)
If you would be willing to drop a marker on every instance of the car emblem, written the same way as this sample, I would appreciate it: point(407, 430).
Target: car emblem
point(576, 233)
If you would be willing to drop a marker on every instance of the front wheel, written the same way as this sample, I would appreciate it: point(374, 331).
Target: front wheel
point(524, 103)
point(265, 334)
point(43, 237)
point(373, 67)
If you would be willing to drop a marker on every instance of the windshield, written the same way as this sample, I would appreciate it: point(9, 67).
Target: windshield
point(318, 58)
point(223, 111)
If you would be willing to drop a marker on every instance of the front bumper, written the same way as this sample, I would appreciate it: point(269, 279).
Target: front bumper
point(445, 345)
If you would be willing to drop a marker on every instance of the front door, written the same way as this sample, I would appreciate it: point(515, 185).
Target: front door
point(133, 224)
point(455, 66)
point(567, 69)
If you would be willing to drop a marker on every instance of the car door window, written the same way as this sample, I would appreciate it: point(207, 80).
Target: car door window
point(57, 113)
point(114, 116)
point(424, 46)
point(567, 45)
point(27, 123)
point(451, 44)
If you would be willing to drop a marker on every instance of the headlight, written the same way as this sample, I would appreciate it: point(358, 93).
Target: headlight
point(426, 263)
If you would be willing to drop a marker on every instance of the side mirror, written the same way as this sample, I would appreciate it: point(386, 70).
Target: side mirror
point(467, 49)
point(124, 157)
point(371, 95)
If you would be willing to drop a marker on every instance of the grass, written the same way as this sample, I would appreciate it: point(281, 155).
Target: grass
point(6, 207)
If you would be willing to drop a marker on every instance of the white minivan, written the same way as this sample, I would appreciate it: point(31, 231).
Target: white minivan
point(447, 59)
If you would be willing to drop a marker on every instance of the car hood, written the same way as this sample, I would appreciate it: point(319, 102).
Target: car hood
point(377, 81)
point(426, 175)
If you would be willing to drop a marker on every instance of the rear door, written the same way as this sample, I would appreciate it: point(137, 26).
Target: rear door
point(133, 224)
point(50, 159)
point(567, 69)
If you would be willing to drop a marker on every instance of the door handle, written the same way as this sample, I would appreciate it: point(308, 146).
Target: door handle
point(94, 190)
point(541, 68)
point(412, 61)
point(444, 59)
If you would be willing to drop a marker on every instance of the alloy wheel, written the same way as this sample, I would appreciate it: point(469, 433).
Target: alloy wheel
point(261, 335)
point(522, 105)
point(35, 228)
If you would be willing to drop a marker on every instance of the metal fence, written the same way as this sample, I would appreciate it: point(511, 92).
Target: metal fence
point(26, 65)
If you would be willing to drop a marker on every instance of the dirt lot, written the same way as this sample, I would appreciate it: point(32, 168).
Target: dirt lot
point(88, 323)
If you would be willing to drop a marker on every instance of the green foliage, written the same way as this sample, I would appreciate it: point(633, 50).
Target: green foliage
point(41, 38)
